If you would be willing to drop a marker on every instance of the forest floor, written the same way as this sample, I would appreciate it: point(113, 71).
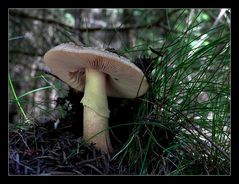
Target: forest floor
point(44, 150)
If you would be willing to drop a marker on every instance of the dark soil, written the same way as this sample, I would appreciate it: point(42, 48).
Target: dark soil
point(48, 151)
point(44, 150)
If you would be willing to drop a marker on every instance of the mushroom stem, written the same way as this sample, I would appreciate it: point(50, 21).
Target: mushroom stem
point(96, 112)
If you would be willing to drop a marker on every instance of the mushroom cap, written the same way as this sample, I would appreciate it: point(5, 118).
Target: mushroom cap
point(69, 61)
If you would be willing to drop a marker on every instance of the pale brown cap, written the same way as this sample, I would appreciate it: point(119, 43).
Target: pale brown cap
point(124, 79)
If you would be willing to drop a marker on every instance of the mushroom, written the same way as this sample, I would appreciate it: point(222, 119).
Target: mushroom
point(99, 73)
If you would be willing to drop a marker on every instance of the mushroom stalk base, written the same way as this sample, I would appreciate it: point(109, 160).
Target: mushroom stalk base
point(96, 111)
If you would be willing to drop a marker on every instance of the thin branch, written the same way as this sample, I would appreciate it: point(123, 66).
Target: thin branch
point(219, 17)
point(110, 29)
point(31, 54)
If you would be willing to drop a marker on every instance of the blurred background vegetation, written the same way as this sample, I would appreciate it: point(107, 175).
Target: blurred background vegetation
point(181, 126)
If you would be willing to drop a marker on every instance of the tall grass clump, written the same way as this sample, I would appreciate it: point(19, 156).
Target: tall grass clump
point(183, 124)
